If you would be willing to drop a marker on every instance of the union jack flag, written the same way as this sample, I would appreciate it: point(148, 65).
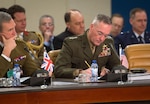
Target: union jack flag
point(47, 63)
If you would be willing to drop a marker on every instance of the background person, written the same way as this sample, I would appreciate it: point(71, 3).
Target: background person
point(32, 39)
point(138, 34)
point(117, 25)
point(46, 26)
point(3, 9)
point(74, 26)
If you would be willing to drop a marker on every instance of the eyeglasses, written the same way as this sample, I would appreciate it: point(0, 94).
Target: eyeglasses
point(47, 24)
point(100, 33)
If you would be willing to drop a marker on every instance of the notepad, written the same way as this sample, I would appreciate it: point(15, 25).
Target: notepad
point(139, 76)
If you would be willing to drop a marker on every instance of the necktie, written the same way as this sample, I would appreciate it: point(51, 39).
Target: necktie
point(93, 49)
point(51, 45)
point(140, 39)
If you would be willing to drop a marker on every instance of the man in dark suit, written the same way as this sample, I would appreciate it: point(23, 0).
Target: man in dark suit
point(46, 26)
point(74, 26)
point(95, 44)
point(138, 35)
point(13, 51)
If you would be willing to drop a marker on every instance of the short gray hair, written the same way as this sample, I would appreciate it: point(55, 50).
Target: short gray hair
point(102, 18)
point(4, 17)
point(46, 16)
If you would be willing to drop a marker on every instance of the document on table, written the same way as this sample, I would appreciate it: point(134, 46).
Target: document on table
point(139, 76)
point(63, 83)
point(23, 79)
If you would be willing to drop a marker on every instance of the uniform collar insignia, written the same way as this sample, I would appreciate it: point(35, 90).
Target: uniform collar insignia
point(32, 41)
point(105, 51)
point(26, 33)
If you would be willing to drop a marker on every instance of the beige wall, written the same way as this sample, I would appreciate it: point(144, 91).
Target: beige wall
point(57, 8)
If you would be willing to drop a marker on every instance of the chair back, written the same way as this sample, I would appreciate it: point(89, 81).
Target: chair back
point(138, 56)
point(53, 54)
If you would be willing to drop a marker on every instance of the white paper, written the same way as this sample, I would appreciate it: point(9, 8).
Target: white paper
point(139, 76)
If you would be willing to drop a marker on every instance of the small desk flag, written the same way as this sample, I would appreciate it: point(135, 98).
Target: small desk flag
point(123, 58)
point(47, 63)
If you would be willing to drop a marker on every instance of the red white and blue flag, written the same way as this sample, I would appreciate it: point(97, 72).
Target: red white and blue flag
point(123, 58)
point(47, 63)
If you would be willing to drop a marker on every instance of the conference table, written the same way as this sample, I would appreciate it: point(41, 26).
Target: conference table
point(67, 91)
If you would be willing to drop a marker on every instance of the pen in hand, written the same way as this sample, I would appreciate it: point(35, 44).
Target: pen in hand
point(87, 63)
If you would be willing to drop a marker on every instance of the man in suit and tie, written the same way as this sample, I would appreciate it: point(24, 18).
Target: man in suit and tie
point(94, 44)
point(46, 26)
point(137, 35)
point(13, 51)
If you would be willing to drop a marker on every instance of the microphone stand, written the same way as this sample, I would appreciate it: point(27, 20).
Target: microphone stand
point(121, 80)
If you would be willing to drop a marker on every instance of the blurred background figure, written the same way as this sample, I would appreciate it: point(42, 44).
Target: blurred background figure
point(137, 34)
point(3, 9)
point(117, 25)
point(46, 26)
point(31, 38)
point(74, 26)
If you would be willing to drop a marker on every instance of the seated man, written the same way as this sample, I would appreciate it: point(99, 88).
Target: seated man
point(138, 34)
point(95, 44)
point(117, 25)
point(12, 51)
point(46, 26)
point(32, 39)
point(74, 26)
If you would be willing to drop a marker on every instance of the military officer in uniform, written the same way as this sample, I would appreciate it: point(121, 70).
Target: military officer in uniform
point(33, 40)
point(137, 35)
point(95, 44)
point(11, 50)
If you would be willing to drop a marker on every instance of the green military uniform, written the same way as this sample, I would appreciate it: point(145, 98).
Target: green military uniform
point(76, 50)
point(20, 56)
point(33, 40)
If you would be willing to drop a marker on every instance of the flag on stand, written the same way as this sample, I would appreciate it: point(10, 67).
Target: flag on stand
point(47, 63)
point(123, 58)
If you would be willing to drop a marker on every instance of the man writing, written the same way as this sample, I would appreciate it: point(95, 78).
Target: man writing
point(94, 44)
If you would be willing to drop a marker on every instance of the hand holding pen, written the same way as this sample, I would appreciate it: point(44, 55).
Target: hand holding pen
point(104, 70)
